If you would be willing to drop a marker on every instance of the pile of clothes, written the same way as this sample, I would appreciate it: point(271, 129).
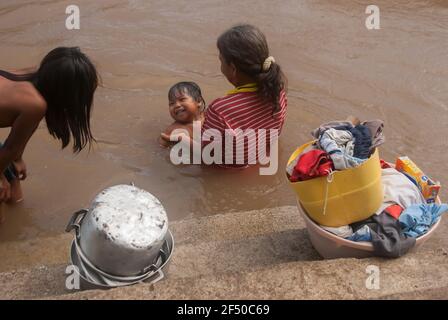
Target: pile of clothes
point(403, 216)
point(339, 145)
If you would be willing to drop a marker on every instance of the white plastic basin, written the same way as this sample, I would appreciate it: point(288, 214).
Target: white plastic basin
point(330, 246)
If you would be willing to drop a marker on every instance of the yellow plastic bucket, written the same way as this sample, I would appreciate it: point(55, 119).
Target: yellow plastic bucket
point(352, 195)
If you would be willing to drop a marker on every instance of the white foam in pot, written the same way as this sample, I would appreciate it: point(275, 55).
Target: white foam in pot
point(129, 216)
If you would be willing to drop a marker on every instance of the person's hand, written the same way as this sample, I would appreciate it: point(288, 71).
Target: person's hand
point(5, 189)
point(20, 167)
point(174, 137)
point(165, 137)
point(164, 143)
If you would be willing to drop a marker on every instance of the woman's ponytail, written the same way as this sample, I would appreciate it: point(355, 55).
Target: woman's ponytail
point(271, 81)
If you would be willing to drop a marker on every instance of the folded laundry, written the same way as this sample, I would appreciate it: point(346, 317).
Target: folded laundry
point(316, 133)
point(398, 190)
point(363, 142)
point(416, 220)
point(386, 235)
point(362, 138)
point(384, 164)
point(313, 164)
point(343, 232)
point(343, 140)
point(394, 211)
point(361, 235)
point(376, 128)
point(339, 145)
point(293, 163)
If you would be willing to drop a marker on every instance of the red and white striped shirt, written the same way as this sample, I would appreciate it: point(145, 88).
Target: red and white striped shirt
point(244, 111)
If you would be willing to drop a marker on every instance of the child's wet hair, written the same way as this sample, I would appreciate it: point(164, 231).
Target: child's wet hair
point(189, 88)
point(67, 80)
point(246, 47)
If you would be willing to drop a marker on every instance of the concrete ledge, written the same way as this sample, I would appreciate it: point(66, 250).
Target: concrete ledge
point(231, 226)
point(248, 255)
point(412, 276)
point(189, 260)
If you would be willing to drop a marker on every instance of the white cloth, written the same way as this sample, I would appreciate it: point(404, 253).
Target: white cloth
point(344, 140)
point(398, 189)
point(350, 148)
point(316, 133)
point(334, 142)
point(343, 232)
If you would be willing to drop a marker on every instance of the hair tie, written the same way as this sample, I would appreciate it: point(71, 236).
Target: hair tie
point(267, 63)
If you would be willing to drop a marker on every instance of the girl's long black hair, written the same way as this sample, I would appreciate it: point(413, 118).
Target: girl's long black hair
point(246, 47)
point(67, 80)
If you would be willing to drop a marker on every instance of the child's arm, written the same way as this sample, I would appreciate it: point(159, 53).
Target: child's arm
point(184, 138)
point(21, 132)
point(170, 135)
point(30, 113)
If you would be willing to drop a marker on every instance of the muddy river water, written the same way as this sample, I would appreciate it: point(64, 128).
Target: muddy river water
point(335, 65)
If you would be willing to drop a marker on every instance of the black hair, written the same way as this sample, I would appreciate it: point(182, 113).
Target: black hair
point(67, 80)
point(189, 88)
point(246, 47)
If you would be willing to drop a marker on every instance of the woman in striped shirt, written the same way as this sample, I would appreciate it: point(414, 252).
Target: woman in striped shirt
point(255, 107)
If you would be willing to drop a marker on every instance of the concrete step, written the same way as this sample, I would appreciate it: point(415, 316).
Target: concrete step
point(206, 255)
point(270, 247)
point(230, 226)
point(419, 275)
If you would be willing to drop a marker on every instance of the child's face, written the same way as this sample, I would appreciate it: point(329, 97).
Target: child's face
point(184, 109)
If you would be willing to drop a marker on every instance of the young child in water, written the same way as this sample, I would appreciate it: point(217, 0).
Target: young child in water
point(186, 105)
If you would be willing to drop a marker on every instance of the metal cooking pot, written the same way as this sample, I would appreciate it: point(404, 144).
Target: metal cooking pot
point(122, 232)
point(91, 278)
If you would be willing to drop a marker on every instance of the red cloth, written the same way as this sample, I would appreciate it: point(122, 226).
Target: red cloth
point(313, 164)
point(394, 211)
point(384, 164)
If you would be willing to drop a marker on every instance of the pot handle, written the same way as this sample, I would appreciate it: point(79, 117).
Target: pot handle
point(160, 276)
point(75, 221)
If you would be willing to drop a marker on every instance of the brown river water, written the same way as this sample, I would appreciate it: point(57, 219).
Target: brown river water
point(335, 65)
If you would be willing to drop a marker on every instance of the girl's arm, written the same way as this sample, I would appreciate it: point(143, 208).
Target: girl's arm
point(21, 131)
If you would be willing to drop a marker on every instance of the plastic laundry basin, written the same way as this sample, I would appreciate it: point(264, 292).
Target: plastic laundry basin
point(352, 195)
point(330, 246)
